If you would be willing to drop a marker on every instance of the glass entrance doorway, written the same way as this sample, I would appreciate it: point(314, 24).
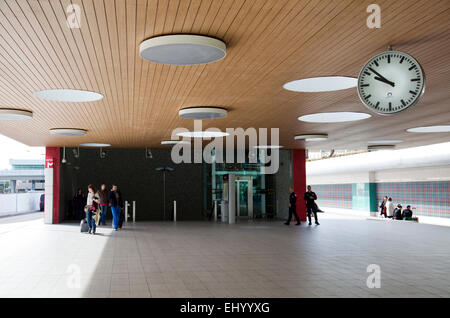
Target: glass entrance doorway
point(244, 197)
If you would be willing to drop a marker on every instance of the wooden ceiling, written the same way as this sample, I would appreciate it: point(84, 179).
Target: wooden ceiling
point(269, 42)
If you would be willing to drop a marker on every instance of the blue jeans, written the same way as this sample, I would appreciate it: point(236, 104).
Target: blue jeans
point(116, 216)
point(90, 220)
point(103, 209)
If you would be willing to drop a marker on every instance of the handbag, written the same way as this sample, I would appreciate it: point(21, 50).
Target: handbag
point(96, 216)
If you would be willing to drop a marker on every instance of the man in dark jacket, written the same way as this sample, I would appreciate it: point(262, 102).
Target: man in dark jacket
point(116, 204)
point(407, 213)
point(398, 212)
point(311, 206)
point(292, 207)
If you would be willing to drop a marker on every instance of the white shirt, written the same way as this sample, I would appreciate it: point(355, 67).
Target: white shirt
point(390, 208)
point(91, 197)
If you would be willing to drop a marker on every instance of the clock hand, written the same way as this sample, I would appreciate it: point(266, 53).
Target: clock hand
point(384, 81)
point(382, 78)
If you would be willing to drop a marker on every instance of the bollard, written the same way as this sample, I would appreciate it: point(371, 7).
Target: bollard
point(134, 211)
point(174, 211)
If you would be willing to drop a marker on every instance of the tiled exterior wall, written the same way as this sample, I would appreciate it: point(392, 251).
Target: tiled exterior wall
point(428, 198)
point(334, 195)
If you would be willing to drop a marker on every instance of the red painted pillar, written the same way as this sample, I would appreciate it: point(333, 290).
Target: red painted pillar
point(299, 175)
point(54, 155)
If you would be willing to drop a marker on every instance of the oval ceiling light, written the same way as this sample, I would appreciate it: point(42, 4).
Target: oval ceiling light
point(95, 144)
point(268, 147)
point(384, 142)
point(202, 112)
point(430, 129)
point(203, 134)
point(69, 95)
point(380, 147)
point(15, 114)
point(174, 142)
point(335, 117)
point(321, 84)
point(68, 132)
point(182, 49)
point(312, 137)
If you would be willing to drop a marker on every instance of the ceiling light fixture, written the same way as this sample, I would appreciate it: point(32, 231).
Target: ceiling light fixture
point(174, 142)
point(268, 147)
point(312, 137)
point(380, 147)
point(384, 142)
point(68, 132)
point(334, 117)
point(95, 145)
point(202, 112)
point(430, 129)
point(15, 114)
point(69, 95)
point(321, 84)
point(203, 134)
point(182, 49)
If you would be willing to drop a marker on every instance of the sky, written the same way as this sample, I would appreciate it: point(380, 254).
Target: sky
point(11, 149)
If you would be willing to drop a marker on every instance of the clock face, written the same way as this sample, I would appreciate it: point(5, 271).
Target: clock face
point(391, 82)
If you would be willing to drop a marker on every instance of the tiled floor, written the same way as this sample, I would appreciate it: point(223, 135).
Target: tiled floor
point(201, 259)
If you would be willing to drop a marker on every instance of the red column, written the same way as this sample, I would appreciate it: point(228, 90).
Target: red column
point(299, 174)
point(55, 154)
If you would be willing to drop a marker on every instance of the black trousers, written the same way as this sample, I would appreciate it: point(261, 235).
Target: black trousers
point(309, 211)
point(292, 210)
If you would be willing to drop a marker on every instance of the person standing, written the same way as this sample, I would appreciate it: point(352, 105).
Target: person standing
point(390, 208)
point(311, 206)
point(383, 207)
point(103, 197)
point(292, 207)
point(116, 203)
point(92, 205)
point(79, 202)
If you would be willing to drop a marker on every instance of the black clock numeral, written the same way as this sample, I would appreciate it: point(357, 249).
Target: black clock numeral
point(376, 63)
point(403, 102)
point(415, 79)
point(367, 73)
point(376, 105)
point(390, 106)
point(389, 58)
point(364, 85)
point(412, 92)
point(412, 67)
point(401, 60)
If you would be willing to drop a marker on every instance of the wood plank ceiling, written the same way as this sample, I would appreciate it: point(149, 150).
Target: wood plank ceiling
point(269, 42)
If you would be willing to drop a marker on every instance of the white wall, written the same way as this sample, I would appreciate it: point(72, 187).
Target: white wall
point(19, 202)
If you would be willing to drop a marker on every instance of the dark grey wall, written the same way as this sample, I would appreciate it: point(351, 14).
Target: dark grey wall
point(137, 180)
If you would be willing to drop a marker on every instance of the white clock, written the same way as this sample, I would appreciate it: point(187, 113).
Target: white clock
point(391, 82)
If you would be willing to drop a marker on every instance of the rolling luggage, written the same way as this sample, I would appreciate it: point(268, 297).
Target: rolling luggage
point(84, 227)
point(121, 219)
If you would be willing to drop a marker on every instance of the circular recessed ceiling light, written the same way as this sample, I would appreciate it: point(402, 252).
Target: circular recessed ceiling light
point(95, 144)
point(68, 132)
point(203, 112)
point(15, 114)
point(336, 117)
point(430, 129)
point(380, 147)
point(321, 84)
point(203, 134)
point(182, 49)
point(312, 137)
point(268, 147)
point(68, 95)
point(174, 142)
point(384, 142)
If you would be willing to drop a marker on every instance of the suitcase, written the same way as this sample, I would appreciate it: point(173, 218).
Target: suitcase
point(121, 219)
point(84, 227)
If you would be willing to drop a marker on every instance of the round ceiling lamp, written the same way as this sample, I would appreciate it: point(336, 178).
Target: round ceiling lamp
point(334, 117)
point(380, 147)
point(268, 147)
point(15, 114)
point(203, 134)
point(202, 112)
point(69, 95)
point(182, 49)
point(312, 137)
point(430, 129)
point(174, 142)
point(95, 144)
point(68, 132)
point(384, 142)
point(321, 84)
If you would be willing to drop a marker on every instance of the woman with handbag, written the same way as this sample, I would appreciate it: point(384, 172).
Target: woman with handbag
point(92, 206)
